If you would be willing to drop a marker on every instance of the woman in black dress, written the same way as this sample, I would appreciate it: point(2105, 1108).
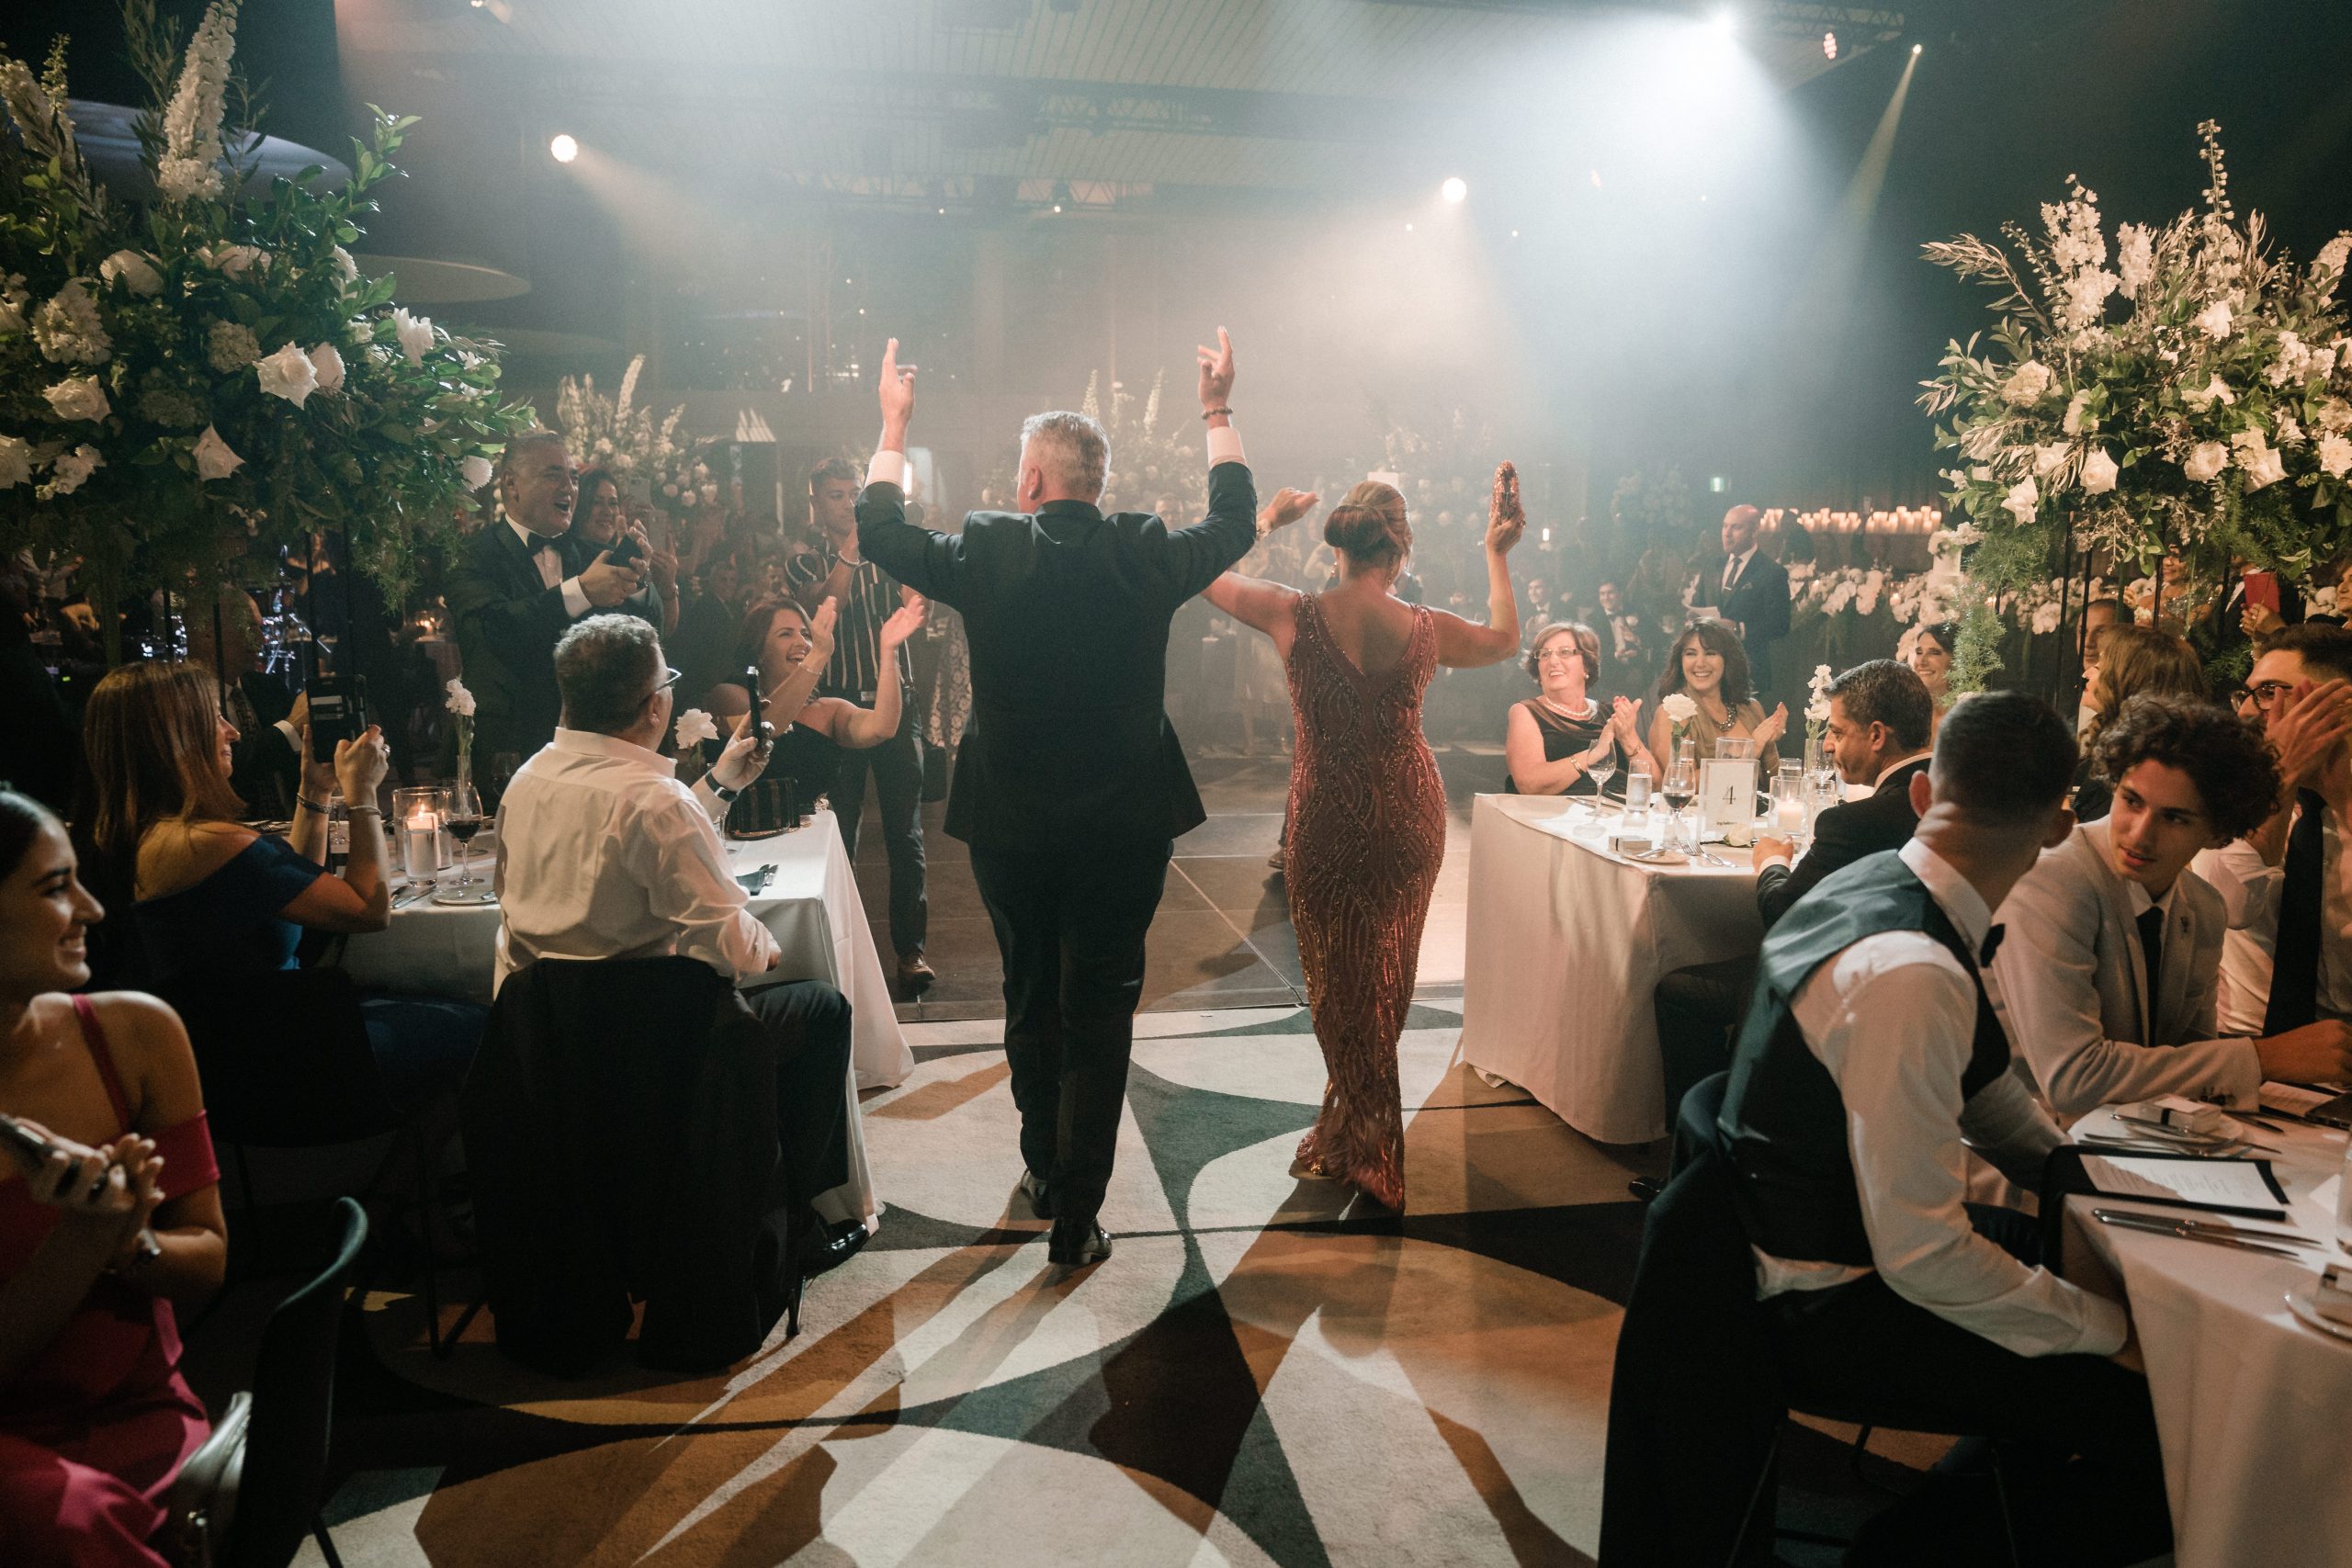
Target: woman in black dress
point(791, 651)
point(1556, 736)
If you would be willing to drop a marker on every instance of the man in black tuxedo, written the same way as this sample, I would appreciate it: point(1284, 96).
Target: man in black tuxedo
point(514, 587)
point(1070, 786)
point(1878, 731)
point(265, 760)
point(1750, 590)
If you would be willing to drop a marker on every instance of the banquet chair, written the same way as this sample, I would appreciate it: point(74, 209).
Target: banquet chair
point(620, 1126)
point(286, 1064)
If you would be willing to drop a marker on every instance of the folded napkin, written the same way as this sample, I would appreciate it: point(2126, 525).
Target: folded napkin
point(2172, 1111)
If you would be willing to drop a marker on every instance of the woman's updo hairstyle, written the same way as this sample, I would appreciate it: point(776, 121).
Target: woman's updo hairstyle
point(1368, 526)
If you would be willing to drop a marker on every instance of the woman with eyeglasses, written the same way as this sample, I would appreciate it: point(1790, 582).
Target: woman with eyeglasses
point(1557, 738)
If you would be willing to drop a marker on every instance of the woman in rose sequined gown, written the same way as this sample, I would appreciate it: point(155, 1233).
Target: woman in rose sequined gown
point(1367, 809)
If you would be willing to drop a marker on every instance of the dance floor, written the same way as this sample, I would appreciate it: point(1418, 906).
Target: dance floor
point(1260, 1374)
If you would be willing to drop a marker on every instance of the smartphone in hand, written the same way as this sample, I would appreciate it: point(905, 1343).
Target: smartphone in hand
point(760, 724)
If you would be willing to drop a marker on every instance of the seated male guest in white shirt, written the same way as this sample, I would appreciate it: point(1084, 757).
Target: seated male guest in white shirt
point(603, 854)
point(2108, 977)
point(2288, 885)
point(1870, 1052)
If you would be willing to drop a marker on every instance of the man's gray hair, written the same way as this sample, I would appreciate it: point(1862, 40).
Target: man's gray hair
point(1072, 450)
point(518, 447)
point(605, 666)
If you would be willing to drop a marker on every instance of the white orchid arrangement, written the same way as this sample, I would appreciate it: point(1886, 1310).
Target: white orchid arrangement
point(184, 381)
point(1817, 707)
point(2186, 391)
point(647, 454)
point(461, 704)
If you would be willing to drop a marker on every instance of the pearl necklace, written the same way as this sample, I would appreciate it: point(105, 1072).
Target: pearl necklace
point(1591, 708)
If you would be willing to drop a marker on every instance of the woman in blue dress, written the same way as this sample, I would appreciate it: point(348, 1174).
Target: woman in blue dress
point(213, 899)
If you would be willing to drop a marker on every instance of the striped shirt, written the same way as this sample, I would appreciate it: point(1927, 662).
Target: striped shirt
point(857, 635)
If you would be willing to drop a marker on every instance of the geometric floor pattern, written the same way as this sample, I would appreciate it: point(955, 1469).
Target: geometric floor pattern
point(1259, 1375)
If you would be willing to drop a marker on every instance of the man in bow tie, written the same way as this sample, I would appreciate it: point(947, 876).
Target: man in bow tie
point(516, 585)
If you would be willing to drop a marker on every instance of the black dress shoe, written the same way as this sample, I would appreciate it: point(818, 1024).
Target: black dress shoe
point(1077, 1246)
point(1041, 1200)
point(830, 1246)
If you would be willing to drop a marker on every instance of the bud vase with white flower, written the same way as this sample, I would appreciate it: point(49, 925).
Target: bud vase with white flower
point(697, 729)
point(1816, 716)
point(1679, 711)
point(461, 705)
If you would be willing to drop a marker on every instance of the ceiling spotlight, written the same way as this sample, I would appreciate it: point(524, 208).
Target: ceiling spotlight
point(1454, 189)
point(1829, 46)
point(1726, 22)
point(1917, 47)
point(563, 148)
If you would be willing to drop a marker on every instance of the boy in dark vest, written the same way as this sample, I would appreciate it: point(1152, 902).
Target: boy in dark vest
point(1869, 1052)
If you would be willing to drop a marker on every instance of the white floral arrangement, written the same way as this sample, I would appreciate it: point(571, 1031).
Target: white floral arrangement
point(461, 704)
point(184, 383)
point(694, 726)
point(647, 454)
point(2184, 390)
point(1680, 710)
point(1817, 707)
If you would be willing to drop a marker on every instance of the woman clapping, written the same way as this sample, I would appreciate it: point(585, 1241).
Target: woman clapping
point(1557, 738)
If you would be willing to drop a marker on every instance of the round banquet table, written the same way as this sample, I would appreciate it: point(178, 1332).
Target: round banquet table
point(810, 906)
point(1566, 943)
point(2251, 1404)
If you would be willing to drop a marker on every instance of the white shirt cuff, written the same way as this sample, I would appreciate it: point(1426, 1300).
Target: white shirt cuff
point(888, 469)
point(575, 598)
point(293, 735)
point(1781, 861)
point(1225, 447)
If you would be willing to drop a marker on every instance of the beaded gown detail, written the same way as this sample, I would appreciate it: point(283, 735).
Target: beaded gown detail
point(1367, 834)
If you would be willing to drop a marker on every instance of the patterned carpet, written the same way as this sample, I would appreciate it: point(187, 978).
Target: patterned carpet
point(1258, 1375)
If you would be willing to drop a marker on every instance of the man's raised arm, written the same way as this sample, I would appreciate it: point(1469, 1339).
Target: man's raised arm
point(927, 562)
point(1198, 554)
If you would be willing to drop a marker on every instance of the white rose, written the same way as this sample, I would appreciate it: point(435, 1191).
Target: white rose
point(2206, 461)
point(2290, 433)
point(2215, 390)
point(2046, 459)
point(66, 474)
point(326, 363)
point(134, 271)
point(460, 701)
point(2214, 320)
point(79, 397)
point(2027, 383)
point(345, 268)
point(415, 334)
point(288, 373)
point(2335, 455)
point(696, 725)
point(2099, 471)
point(214, 461)
point(2024, 497)
point(2262, 468)
point(475, 471)
point(15, 461)
point(1677, 707)
point(234, 260)
point(2073, 423)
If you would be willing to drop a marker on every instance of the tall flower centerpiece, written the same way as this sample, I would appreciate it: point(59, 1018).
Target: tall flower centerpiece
point(647, 454)
point(186, 381)
point(2183, 391)
point(1816, 709)
point(461, 704)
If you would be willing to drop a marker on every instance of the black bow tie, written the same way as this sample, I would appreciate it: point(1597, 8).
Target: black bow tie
point(1992, 946)
point(541, 545)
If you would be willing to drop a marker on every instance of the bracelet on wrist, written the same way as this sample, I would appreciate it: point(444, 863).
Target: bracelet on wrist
point(303, 800)
point(363, 811)
point(1211, 413)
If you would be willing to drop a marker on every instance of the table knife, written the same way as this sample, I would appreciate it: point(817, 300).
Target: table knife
point(2186, 1233)
point(2288, 1238)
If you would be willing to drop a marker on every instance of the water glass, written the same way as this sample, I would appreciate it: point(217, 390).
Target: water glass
point(1637, 796)
point(419, 818)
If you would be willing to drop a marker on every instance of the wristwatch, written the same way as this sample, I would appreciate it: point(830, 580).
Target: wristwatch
point(727, 796)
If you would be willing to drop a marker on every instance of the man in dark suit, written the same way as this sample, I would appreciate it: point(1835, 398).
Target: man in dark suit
point(1750, 590)
point(1070, 786)
point(1877, 732)
point(516, 585)
point(265, 760)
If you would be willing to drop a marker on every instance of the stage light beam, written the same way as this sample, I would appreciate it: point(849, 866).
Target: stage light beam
point(563, 148)
point(1454, 190)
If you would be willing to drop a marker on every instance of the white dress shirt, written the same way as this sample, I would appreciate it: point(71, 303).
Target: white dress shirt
point(2249, 887)
point(1734, 566)
point(551, 565)
point(2334, 922)
point(603, 854)
point(1893, 1019)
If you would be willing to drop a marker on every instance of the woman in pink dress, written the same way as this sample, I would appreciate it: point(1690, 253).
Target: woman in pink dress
point(1367, 809)
point(94, 1418)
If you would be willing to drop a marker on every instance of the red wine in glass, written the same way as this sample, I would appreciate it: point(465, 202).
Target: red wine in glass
point(463, 828)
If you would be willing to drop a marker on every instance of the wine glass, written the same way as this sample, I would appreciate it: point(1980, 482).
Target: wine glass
point(1680, 788)
point(1602, 770)
point(464, 822)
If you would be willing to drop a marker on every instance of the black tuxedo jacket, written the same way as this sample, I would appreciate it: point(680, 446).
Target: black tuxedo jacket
point(507, 628)
point(1066, 613)
point(265, 771)
point(1843, 835)
point(1757, 603)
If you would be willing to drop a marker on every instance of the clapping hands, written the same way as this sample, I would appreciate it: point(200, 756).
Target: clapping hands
point(904, 622)
point(1773, 727)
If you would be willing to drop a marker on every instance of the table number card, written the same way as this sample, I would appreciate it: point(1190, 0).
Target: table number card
point(1728, 786)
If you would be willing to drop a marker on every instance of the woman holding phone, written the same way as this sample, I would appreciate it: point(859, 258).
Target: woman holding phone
point(94, 1418)
point(790, 649)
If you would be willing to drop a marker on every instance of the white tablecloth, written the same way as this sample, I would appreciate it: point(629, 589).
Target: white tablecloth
point(811, 905)
point(1566, 944)
point(2252, 1404)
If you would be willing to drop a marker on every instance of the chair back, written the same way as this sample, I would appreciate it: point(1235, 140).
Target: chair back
point(621, 1136)
point(283, 1057)
point(1694, 1402)
point(293, 1409)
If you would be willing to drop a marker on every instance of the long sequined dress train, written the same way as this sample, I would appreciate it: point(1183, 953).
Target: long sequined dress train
point(1367, 833)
